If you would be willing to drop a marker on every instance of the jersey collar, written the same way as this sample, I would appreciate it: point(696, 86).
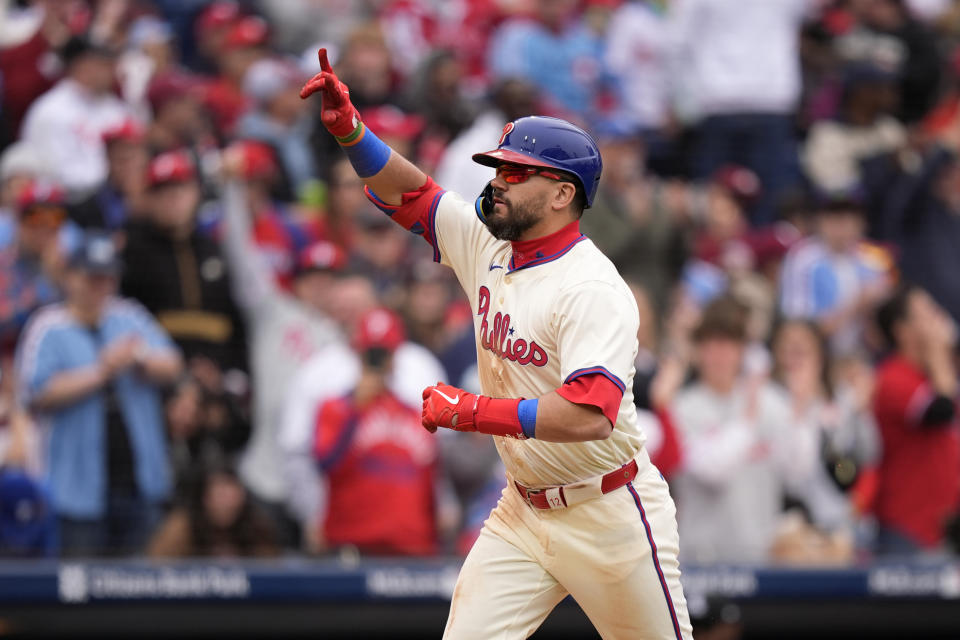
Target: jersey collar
point(530, 253)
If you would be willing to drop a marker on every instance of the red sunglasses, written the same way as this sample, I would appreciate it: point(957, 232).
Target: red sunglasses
point(517, 174)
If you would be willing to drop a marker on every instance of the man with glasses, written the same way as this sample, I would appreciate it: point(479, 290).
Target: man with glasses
point(584, 511)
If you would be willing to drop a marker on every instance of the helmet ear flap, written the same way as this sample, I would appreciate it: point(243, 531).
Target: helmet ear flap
point(484, 203)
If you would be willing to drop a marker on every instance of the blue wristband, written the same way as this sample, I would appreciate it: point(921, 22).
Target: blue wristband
point(527, 413)
point(368, 154)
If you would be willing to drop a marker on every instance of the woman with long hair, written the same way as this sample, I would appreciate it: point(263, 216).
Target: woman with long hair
point(838, 437)
point(219, 519)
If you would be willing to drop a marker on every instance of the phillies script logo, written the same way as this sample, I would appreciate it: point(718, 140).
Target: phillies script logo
point(500, 340)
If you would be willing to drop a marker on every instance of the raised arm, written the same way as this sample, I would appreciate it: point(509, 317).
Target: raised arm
point(385, 172)
point(250, 275)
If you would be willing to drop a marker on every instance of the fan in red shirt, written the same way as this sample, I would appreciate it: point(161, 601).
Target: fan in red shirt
point(377, 460)
point(915, 408)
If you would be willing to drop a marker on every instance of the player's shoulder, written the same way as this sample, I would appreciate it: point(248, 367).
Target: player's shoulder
point(452, 200)
point(589, 268)
point(451, 205)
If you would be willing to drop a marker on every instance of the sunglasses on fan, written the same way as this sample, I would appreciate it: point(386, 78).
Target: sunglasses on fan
point(43, 216)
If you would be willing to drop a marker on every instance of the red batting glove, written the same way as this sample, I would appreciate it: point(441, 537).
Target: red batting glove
point(337, 113)
point(448, 407)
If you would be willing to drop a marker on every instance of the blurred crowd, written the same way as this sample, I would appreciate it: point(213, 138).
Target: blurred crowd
point(213, 345)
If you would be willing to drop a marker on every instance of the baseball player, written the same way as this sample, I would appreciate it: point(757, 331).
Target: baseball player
point(584, 511)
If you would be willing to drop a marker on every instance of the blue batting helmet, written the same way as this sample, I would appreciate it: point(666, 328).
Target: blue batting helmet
point(540, 141)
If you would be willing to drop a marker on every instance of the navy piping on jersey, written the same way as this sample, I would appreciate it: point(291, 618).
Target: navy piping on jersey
point(433, 225)
point(602, 371)
point(546, 259)
point(416, 228)
point(388, 209)
point(656, 561)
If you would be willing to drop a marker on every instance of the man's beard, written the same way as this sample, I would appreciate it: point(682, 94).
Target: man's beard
point(516, 220)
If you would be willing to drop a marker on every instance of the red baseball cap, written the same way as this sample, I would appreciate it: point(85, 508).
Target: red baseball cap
point(321, 256)
point(37, 192)
point(379, 328)
point(129, 129)
point(250, 31)
point(171, 166)
point(218, 14)
point(390, 121)
point(259, 160)
point(170, 86)
point(742, 183)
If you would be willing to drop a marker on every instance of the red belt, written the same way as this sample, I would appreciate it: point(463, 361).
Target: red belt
point(538, 499)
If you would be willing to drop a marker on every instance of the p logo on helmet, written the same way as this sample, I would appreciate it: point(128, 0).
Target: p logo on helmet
point(507, 128)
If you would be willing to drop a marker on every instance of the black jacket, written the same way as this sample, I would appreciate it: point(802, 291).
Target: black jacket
point(184, 283)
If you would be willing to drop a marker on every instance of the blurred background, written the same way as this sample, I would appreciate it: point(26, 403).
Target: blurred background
point(212, 346)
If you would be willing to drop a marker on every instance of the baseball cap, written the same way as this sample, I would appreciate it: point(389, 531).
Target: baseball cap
point(126, 130)
point(270, 76)
point(41, 205)
point(320, 256)
point(259, 159)
point(39, 192)
point(24, 512)
point(741, 183)
point(250, 31)
point(169, 167)
point(96, 253)
point(168, 86)
point(389, 121)
point(80, 46)
point(849, 199)
point(379, 328)
point(217, 15)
